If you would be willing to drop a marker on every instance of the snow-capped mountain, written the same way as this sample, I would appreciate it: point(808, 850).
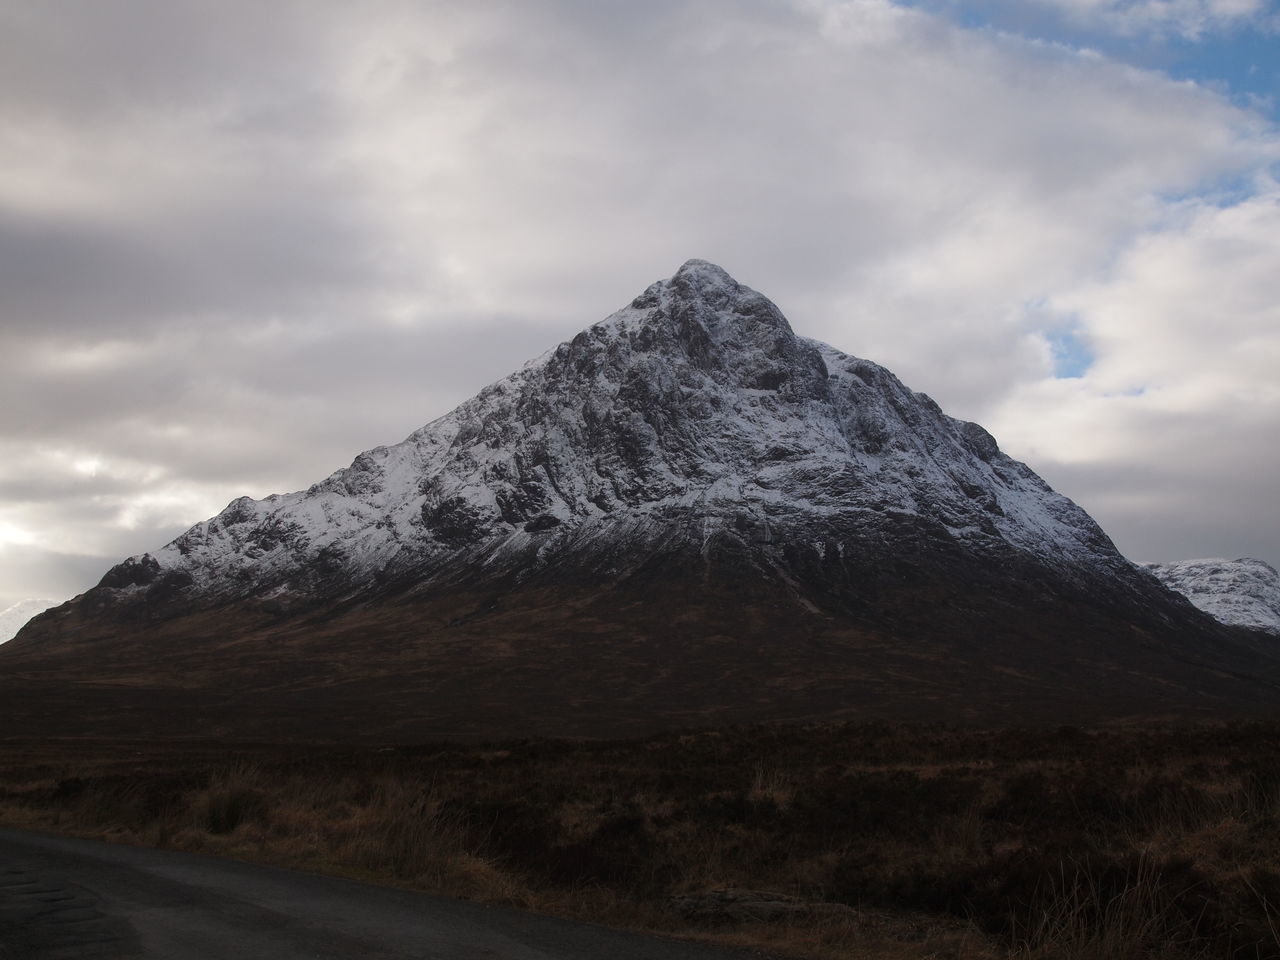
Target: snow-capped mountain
point(686, 514)
point(693, 412)
point(1242, 593)
point(15, 616)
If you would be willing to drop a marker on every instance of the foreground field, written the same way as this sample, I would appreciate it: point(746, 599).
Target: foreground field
point(822, 841)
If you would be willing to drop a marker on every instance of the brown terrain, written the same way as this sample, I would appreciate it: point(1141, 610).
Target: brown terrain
point(877, 841)
point(673, 646)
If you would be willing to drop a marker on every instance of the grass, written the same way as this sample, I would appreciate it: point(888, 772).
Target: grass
point(1104, 844)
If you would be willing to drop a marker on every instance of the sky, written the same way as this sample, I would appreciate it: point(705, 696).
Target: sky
point(241, 242)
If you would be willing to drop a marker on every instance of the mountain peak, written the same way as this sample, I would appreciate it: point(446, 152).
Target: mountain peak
point(702, 282)
point(721, 326)
point(704, 275)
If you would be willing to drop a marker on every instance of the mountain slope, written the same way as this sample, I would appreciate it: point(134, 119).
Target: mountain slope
point(685, 514)
point(1242, 593)
point(15, 616)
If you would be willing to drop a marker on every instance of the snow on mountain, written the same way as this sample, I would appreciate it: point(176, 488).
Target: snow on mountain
point(694, 412)
point(1242, 593)
point(13, 618)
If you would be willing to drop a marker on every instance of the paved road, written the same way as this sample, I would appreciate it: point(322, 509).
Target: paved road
point(66, 899)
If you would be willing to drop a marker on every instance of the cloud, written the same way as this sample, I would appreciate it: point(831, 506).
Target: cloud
point(34, 572)
point(1183, 398)
point(238, 245)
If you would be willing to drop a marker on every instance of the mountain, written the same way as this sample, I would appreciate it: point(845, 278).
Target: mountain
point(696, 401)
point(15, 616)
point(686, 514)
point(1243, 593)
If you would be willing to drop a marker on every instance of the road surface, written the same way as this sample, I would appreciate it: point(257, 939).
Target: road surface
point(67, 899)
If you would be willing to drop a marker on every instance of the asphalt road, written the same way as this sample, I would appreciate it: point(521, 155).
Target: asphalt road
point(65, 899)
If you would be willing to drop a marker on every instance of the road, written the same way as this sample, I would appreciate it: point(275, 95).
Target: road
point(67, 899)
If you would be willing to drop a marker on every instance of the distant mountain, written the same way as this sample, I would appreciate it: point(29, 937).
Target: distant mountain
point(685, 514)
point(14, 617)
point(1243, 593)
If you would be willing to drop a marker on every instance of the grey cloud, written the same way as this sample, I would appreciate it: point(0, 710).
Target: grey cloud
point(119, 57)
point(1156, 514)
point(297, 406)
point(38, 572)
point(73, 490)
point(279, 245)
point(294, 232)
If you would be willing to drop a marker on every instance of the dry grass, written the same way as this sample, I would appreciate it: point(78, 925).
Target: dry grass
point(1110, 844)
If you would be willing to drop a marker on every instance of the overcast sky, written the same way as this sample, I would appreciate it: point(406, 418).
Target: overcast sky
point(241, 242)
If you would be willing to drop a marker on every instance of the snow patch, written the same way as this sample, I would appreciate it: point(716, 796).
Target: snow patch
point(1241, 593)
point(15, 616)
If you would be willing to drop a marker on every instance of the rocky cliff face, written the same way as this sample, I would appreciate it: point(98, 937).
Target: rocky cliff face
point(1242, 593)
point(685, 514)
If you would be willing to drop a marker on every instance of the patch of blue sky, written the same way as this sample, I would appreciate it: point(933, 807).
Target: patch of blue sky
point(1223, 191)
point(1072, 357)
point(1242, 64)
point(1070, 353)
